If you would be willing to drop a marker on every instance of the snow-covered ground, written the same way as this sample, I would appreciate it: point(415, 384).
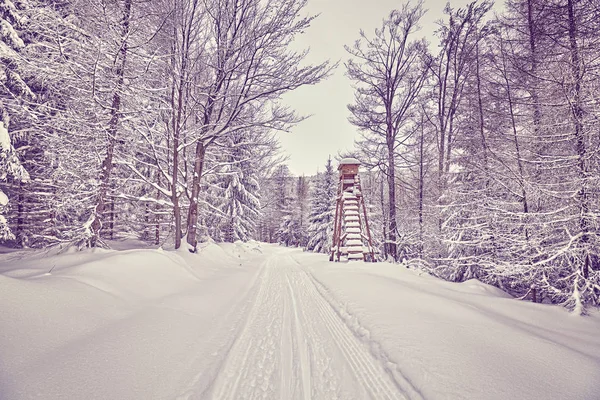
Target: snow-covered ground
point(260, 321)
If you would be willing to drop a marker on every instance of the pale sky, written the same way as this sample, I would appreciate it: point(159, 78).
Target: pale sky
point(328, 131)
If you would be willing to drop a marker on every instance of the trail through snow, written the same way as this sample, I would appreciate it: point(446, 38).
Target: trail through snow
point(295, 346)
point(258, 321)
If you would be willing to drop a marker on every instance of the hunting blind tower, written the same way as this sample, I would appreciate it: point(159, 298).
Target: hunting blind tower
point(351, 234)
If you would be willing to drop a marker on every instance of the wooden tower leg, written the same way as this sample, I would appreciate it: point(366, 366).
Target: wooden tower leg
point(336, 229)
point(339, 227)
point(335, 244)
point(370, 240)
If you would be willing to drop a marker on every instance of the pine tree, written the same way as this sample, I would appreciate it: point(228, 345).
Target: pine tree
point(15, 89)
point(14, 93)
point(242, 202)
point(322, 212)
point(280, 198)
point(292, 230)
point(10, 167)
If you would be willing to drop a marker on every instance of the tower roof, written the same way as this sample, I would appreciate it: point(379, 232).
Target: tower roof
point(348, 161)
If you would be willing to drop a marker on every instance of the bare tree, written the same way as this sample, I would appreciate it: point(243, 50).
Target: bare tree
point(186, 48)
point(115, 111)
point(451, 71)
point(247, 66)
point(388, 71)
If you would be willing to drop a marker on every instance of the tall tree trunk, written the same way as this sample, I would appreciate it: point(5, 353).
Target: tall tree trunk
point(484, 150)
point(443, 117)
point(392, 228)
point(421, 185)
point(178, 103)
point(111, 132)
point(450, 139)
point(193, 210)
point(384, 217)
point(442, 120)
point(199, 163)
point(484, 147)
point(19, 229)
point(147, 222)
point(580, 145)
point(537, 117)
point(157, 217)
point(520, 167)
point(175, 173)
point(111, 223)
point(177, 93)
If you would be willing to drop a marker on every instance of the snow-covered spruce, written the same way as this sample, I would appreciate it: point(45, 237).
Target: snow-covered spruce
point(322, 211)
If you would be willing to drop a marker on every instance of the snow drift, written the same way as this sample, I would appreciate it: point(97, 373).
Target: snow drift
point(154, 324)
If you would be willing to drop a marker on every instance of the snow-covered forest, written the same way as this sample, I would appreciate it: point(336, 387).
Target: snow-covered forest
point(157, 120)
point(486, 147)
point(145, 118)
point(157, 240)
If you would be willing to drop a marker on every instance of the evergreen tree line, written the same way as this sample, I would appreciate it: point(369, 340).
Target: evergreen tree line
point(487, 146)
point(299, 211)
point(152, 119)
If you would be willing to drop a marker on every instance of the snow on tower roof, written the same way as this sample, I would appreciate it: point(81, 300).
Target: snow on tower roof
point(349, 161)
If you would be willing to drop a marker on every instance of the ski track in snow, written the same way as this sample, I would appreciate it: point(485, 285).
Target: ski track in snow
point(294, 345)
